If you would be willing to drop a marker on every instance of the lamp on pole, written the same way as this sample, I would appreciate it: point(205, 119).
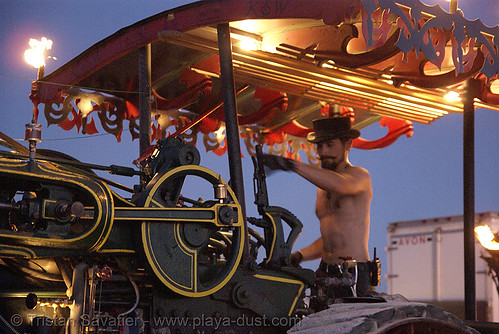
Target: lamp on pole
point(35, 56)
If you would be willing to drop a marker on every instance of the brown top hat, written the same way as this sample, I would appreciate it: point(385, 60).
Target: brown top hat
point(331, 128)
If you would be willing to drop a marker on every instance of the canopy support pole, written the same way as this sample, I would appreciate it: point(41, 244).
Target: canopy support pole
point(231, 124)
point(470, 92)
point(144, 98)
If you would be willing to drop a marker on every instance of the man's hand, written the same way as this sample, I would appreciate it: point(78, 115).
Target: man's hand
point(295, 258)
point(277, 162)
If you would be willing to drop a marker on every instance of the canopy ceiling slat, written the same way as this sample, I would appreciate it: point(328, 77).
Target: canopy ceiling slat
point(276, 67)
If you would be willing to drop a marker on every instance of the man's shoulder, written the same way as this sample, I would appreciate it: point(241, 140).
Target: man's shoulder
point(359, 171)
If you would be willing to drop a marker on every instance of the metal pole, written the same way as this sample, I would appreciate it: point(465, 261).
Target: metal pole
point(231, 123)
point(469, 198)
point(144, 99)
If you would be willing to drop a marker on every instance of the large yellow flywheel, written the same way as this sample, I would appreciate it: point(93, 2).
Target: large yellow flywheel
point(193, 257)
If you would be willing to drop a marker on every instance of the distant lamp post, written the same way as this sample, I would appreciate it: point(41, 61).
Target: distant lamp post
point(35, 56)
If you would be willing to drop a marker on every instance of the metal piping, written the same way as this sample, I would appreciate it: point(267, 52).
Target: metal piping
point(78, 297)
point(231, 124)
point(137, 297)
point(470, 89)
point(33, 272)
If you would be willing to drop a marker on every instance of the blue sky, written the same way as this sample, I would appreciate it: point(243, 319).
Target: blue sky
point(415, 178)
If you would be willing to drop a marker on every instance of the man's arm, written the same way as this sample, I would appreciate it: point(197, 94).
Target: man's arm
point(313, 251)
point(352, 181)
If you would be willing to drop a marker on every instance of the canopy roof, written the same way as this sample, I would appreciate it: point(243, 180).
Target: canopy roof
point(294, 61)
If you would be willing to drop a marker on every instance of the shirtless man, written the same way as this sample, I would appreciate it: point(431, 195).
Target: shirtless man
point(343, 199)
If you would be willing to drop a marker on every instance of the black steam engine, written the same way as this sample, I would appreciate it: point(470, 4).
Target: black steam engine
point(76, 257)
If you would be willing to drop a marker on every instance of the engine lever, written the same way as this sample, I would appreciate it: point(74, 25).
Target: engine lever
point(279, 247)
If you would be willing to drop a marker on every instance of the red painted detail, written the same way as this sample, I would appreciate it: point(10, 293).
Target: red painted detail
point(396, 128)
point(326, 110)
point(156, 132)
point(68, 124)
point(209, 125)
point(131, 110)
point(196, 84)
point(275, 137)
point(290, 154)
point(210, 64)
point(92, 129)
point(348, 112)
point(296, 129)
point(77, 121)
point(144, 156)
point(221, 149)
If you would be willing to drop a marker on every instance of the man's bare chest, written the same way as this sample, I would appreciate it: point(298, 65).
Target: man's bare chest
point(333, 204)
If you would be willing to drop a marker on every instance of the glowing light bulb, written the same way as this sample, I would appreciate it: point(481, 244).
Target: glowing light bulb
point(249, 44)
point(85, 106)
point(452, 96)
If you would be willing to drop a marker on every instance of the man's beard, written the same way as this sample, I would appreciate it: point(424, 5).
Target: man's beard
point(330, 163)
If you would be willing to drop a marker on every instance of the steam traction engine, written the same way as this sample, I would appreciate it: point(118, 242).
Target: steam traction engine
point(77, 256)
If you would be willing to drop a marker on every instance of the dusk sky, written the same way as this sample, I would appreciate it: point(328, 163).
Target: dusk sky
point(414, 178)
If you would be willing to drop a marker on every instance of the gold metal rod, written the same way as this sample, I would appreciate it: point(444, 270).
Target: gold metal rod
point(401, 114)
point(365, 89)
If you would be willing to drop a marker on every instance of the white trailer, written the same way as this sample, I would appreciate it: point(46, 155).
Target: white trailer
point(426, 264)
